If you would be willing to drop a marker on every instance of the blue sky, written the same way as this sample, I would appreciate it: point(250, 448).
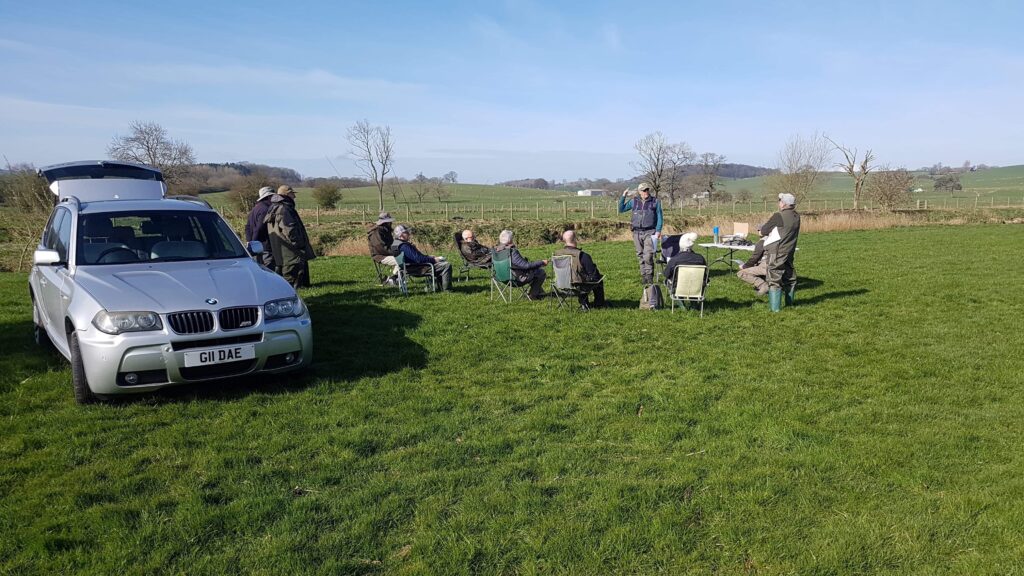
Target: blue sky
point(514, 89)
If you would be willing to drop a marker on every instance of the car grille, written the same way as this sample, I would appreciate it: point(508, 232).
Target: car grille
point(194, 322)
point(212, 342)
point(241, 317)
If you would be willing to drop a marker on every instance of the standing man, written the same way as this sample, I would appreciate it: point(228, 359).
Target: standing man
point(646, 224)
point(288, 238)
point(256, 229)
point(781, 273)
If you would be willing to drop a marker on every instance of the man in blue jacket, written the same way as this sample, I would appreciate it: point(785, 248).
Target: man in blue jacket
point(645, 223)
point(523, 271)
point(416, 262)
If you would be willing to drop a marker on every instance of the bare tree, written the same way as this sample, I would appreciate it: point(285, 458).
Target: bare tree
point(653, 164)
point(708, 164)
point(27, 205)
point(395, 190)
point(858, 170)
point(451, 177)
point(148, 143)
point(420, 187)
point(890, 187)
point(245, 191)
point(438, 189)
point(680, 156)
point(800, 165)
point(373, 150)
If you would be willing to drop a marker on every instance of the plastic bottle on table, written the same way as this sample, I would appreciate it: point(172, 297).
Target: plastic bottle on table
point(715, 230)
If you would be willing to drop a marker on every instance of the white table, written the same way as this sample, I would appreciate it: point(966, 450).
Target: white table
point(728, 258)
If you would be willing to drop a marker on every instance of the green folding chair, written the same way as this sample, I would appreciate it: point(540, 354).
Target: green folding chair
point(502, 279)
point(428, 275)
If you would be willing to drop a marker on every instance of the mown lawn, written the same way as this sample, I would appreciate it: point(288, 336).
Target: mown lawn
point(873, 428)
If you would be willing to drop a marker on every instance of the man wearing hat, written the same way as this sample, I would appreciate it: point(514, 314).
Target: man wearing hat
point(256, 229)
point(646, 224)
point(380, 240)
point(781, 273)
point(288, 238)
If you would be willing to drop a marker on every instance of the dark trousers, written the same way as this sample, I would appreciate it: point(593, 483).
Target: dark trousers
point(296, 274)
point(597, 289)
point(535, 278)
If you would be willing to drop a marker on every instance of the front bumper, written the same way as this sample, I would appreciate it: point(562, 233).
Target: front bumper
point(157, 359)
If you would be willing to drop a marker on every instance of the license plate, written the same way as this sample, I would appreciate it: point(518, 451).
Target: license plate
point(220, 355)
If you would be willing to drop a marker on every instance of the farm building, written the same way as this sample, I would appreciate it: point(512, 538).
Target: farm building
point(590, 192)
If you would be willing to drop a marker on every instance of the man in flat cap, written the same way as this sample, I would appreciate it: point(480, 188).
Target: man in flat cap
point(288, 238)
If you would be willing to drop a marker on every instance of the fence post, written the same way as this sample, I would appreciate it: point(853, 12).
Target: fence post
point(537, 207)
point(446, 211)
point(565, 206)
point(317, 214)
point(765, 206)
point(511, 211)
point(364, 213)
point(992, 204)
point(408, 213)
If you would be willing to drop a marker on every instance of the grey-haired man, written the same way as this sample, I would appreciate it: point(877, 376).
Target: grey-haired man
point(781, 272)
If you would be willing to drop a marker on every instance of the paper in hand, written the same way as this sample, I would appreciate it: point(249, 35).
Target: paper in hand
point(773, 237)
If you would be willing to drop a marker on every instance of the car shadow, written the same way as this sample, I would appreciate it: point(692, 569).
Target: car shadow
point(351, 340)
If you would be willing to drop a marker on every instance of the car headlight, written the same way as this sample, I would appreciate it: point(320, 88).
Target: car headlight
point(120, 322)
point(285, 308)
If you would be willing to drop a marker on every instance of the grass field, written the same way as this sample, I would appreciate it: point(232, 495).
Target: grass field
point(873, 428)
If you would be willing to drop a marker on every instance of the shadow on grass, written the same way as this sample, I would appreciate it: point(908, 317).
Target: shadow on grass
point(828, 296)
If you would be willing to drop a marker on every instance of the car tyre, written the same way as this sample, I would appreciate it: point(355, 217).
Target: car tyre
point(39, 334)
point(83, 394)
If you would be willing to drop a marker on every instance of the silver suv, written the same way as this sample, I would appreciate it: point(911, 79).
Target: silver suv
point(140, 291)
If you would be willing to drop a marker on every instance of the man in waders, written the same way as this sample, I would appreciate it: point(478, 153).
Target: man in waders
point(646, 224)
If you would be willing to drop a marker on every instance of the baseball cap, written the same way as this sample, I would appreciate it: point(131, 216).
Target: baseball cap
point(787, 199)
point(644, 186)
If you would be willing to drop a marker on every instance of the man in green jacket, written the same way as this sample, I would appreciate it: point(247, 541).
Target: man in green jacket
point(780, 254)
point(288, 239)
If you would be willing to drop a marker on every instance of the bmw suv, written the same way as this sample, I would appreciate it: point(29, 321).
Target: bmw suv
point(140, 291)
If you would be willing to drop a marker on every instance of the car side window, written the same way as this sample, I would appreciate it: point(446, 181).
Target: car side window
point(63, 237)
point(50, 233)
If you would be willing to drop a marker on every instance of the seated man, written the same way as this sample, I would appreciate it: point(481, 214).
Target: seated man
point(473, 251)
point(380, 239)
point(685, 257)
point(416, 261)
point(585, 274)
point(755, 270)
point(523, 271)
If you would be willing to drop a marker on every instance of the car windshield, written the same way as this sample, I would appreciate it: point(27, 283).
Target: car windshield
point(154, 236)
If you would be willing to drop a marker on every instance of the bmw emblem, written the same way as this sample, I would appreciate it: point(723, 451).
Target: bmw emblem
point(211, 301)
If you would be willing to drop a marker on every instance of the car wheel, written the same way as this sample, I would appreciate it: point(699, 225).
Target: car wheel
point(38, 331)
point(83, 394)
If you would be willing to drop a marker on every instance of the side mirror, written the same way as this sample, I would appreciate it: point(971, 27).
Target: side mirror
point(45, 257)
point(255, 247)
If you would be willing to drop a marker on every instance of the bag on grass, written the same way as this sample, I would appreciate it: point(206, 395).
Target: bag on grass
point(651, 298)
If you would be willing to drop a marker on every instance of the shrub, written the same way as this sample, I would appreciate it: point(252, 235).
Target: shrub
point(327, 195)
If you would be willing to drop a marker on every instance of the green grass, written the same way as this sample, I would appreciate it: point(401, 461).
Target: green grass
point(873, 428)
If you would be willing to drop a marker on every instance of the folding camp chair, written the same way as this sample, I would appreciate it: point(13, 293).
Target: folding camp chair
point(562, 286)
point(466, 264)
point(669, 248)
point(688, 286)
point(427, 273)
point(502, 278)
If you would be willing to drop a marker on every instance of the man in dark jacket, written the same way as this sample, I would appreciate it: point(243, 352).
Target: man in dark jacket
point(417, 263)
point(685, 257)
point(473, 251)
point(645, 222)
point(754, 271)
point(523, 270)
point(288, 238)
point(256, 229)
point(380, 239)
point(781, 272)
point(586, 277)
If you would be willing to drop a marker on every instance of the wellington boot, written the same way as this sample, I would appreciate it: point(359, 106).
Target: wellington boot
point(775, 299)
point(790, 295)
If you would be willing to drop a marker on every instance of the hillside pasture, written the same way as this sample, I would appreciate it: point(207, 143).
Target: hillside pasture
point(872, 428)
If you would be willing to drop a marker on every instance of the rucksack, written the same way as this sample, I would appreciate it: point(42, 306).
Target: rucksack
point(651, 298)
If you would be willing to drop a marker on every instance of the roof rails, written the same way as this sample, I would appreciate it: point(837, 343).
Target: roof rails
point(191, 199)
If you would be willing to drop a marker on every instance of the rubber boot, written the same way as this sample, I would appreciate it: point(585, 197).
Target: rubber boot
point(775, 299)
point(790, 295)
